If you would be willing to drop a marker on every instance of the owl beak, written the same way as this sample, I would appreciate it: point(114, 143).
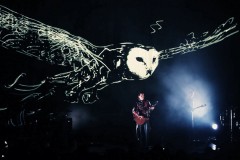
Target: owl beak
point(149, 72)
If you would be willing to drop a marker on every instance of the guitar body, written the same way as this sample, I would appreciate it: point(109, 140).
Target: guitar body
point(139, 120)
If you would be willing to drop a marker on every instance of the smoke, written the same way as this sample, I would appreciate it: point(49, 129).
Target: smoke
point(185, 91)
point(80, 116)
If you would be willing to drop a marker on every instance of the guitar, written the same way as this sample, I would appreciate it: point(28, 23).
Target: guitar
point(204, 105)
point(140, 119)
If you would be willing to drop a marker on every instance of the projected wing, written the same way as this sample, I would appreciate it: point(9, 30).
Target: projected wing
point(91, 65)
point(206, 39)
point(44, 42)
point(56, 46)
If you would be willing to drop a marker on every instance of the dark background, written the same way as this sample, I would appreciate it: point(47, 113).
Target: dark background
point(104, 22)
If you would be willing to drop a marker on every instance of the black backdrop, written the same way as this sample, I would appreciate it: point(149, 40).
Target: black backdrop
point(110, 22)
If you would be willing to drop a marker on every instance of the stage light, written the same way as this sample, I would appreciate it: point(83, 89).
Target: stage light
point(214, 126)
point(213, 146)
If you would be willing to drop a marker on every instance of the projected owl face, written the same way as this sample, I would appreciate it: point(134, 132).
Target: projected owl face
point(142, 62)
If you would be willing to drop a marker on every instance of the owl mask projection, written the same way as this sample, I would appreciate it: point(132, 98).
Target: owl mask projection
point(92, 67)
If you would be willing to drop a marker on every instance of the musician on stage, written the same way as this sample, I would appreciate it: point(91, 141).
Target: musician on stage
point(141, 113)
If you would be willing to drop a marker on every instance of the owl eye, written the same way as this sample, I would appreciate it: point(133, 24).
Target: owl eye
point(154, 59)
point(139, 59)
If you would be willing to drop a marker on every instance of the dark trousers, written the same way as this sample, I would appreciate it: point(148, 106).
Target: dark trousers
point(142, 133)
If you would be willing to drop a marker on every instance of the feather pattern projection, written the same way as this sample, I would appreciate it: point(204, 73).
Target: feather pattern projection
point(92, 67)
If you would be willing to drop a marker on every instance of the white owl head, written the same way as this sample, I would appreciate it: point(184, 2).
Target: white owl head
point(142, 62)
